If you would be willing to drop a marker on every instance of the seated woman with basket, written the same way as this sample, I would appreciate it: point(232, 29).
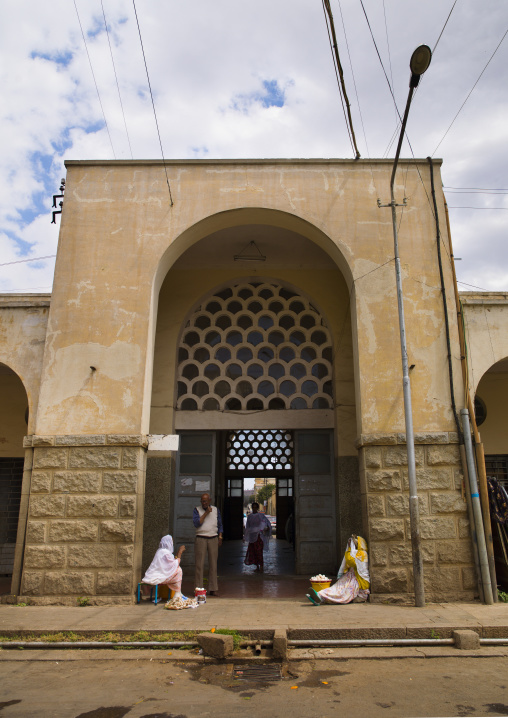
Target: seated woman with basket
point(165, 567)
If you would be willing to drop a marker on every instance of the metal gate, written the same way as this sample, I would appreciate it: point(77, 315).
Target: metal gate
point(315, 524)
point(195, 475)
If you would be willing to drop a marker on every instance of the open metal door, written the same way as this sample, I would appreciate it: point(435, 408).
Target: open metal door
point(315, 525)
point(195, 475)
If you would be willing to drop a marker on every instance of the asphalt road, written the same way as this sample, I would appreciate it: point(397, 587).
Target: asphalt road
point(164, 688)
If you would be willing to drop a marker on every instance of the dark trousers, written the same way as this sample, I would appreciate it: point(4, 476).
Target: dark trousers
point(202, 547)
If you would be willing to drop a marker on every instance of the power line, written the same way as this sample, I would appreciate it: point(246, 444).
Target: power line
point(339, 74)
point(505, 209)
point(470, 92)
point(394, 135)
point(446, 23)
point(27, 289)
point(477, 189)
point(153, 103)
point(388, 47)
point(495, 194)
point(356, 91)
point(473, 285)
point(116, 78)
point(32, 259)
point(95, 81)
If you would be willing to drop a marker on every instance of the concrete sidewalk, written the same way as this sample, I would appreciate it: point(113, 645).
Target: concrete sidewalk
point(261, 617)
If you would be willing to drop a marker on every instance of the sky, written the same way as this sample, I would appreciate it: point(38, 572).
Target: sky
point(237, 79)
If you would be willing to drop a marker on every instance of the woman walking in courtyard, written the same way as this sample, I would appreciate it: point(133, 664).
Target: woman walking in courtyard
point(258, 531)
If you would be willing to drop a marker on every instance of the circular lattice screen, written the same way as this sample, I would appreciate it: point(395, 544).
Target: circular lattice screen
point(255, 346)
point(258, 451)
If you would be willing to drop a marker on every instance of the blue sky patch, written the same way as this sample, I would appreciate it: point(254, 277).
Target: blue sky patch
point(199, 152)
point(61, 58)
point(272, 95)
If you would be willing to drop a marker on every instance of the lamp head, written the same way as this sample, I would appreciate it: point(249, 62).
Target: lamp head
point(420, 61)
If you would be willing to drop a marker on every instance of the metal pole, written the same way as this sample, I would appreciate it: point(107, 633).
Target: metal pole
point(477, 510)
point(414, 511)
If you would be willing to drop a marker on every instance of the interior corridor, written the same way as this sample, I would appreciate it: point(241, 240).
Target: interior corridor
point(236, 580)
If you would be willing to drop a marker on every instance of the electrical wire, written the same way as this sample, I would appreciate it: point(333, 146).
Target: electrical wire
point(446, 23)
point(95, 81)
point(32, 259)
point(356, 92)
point(470, 92)
point(505, 209)
point(388, 47)
point(153, 103)
point(380, 60)
point(478, 189)
point(338, 73)
point(392, 139)
point(116, 79)
point(494, 194)
point(473, 285)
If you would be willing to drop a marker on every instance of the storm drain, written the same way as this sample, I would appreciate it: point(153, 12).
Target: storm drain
point(258, 674)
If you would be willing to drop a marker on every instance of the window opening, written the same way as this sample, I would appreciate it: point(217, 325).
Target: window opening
point(259, 451)
point(262, 334)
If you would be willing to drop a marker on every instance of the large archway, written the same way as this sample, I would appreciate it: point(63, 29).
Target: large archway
point(13, 427)
point(490, 407)
point(292, 302)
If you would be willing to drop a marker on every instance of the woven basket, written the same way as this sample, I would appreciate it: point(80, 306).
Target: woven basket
point(319, 585)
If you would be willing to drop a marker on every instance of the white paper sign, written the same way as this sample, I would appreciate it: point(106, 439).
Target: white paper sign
point(163, 444)
point(203, 487)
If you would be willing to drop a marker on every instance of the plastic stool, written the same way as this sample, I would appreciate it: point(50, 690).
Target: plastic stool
point(151, 591)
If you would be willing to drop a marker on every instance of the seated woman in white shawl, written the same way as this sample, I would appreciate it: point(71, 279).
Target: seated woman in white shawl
point(165, 568)
point(258, 531)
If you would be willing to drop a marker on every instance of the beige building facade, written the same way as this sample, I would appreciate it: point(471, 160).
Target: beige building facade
point(254, 315)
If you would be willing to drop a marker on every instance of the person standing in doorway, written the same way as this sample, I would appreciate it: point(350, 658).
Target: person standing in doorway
point(258, 531)
point(208, 524)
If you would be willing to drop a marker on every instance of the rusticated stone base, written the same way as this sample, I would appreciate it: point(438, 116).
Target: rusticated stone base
point(83, 538)
point(449, 573)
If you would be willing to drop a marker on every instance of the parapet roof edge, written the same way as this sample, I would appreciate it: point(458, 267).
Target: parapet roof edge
point(8, 300)
point(484, 297)
point(275, 161)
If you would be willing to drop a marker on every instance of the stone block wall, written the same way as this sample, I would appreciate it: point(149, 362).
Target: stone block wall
point(85, 519)
point(449, 572)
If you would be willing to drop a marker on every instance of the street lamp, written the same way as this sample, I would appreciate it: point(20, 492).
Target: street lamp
point(420, 60)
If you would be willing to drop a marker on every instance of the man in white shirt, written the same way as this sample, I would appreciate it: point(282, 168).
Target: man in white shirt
point(208, 524)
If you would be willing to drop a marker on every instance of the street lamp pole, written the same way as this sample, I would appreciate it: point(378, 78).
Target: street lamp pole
point(420, 60)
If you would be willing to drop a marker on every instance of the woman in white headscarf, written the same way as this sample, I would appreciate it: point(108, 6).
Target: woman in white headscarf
point(258, 531)
point(165, 568)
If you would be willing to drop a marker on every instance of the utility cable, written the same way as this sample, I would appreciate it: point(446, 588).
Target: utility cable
point(116, 78)
point(32, 259)
point(446, 23)
point(388, 47)
point(482, 289)
point(356, 92)
point(153, 103)
point(326, 5)
point(445, 303)
point(338, 79)
point(392, 139)
point(470, 92)
point(95, 81)
point(478, 189)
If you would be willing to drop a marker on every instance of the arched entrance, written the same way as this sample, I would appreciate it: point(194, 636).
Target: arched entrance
point(267, 346)
point(13, 427)
point(490, 406)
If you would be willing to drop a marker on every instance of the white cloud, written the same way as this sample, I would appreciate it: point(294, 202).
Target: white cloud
point(211, 65)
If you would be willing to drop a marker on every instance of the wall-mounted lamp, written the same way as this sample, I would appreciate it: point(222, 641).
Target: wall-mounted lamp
point(251, 253)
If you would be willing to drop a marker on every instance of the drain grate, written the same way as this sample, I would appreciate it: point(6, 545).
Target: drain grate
point(258, 674)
